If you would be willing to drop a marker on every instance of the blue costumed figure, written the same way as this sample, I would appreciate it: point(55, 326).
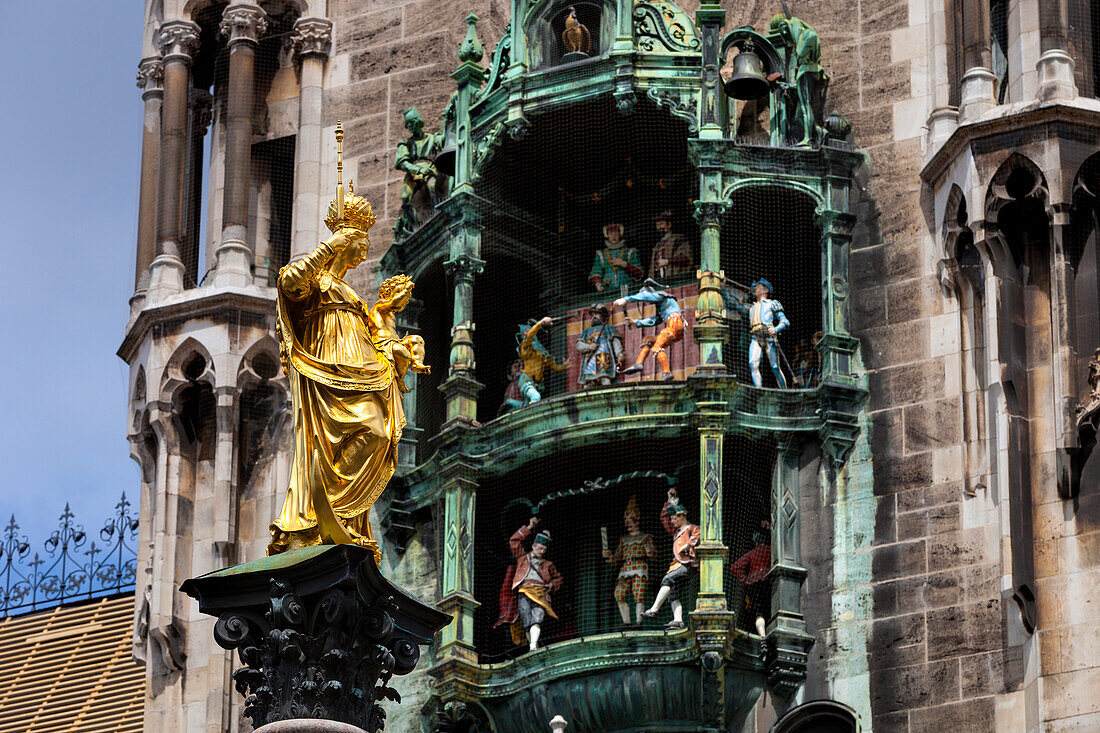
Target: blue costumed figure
point(766, 321)
point(669, 314)
point(601, 350)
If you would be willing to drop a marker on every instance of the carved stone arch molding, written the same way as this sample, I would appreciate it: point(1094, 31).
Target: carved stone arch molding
point(818, 716)
point(181, 368)
point(261, 363)
point(1018, 179)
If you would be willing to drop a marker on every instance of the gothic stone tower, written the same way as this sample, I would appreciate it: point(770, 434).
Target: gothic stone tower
point(237, 160)
point(948, 562)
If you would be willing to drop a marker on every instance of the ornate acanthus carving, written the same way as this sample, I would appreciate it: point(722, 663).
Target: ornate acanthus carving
point(502, 59)
point(243, 23)
point(680, 102)
point(320, 632)
point(178, 38)
point(710, 213)
point(661, 26)
point(150, 76)
point(312, 36)
point(484, 148)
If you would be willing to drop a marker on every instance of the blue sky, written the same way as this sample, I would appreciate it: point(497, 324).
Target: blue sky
point(70, 138)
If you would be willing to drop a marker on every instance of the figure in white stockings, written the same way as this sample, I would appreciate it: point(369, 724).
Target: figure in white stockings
point(685, 538)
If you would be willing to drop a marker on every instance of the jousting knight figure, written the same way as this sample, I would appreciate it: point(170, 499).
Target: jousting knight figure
point(669, 313)
point(766, 321)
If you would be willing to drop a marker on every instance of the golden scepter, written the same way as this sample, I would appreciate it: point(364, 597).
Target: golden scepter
point(340, 173)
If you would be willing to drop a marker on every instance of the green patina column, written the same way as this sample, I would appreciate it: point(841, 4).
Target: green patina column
point(711, 328)
point(713, 620)
point(842, 389)
point(464, 262)
point(788, 643)
point(622, 54)
point(457, 479)
point(710, 17)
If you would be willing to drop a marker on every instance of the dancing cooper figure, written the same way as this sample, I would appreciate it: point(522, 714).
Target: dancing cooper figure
point(346, 365)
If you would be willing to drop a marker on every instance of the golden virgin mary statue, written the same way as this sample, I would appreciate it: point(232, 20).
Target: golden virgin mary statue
point(346, 367)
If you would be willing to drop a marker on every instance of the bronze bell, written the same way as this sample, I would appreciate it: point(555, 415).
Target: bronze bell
point(445, 158)
point(749, 80)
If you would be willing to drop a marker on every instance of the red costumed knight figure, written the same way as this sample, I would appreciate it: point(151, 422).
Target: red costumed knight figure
point(525, 593)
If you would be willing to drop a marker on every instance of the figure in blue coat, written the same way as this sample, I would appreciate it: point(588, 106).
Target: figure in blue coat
point(766, 321)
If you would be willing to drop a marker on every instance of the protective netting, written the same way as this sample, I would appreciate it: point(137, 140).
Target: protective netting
point(274, 121)
point(584, 181)
point(581, 498)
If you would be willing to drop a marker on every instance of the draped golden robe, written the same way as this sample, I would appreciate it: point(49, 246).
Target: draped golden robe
point(348, 415)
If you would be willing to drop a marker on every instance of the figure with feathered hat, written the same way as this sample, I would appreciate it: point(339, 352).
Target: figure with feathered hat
point(525, 593)
point(766, 321)
point(534, 360)
point(632, 555)
point(669, 315)
point(685, 538)
point(616, 265)
point(601, 350)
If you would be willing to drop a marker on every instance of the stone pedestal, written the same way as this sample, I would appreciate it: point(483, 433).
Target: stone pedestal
point(979, 94)
point(320, 633)
point(1056, 80)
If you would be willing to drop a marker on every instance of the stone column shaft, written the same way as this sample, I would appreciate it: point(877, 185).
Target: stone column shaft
point(312, 41)
point(151, 80)
point(1055, 65)
point(242, 25)
point(978, 85)
point(177, 40)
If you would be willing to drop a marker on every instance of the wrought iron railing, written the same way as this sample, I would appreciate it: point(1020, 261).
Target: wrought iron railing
point(70, 568)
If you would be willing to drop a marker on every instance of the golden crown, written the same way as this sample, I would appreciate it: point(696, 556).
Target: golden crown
point(352, 211)
point(358, 213)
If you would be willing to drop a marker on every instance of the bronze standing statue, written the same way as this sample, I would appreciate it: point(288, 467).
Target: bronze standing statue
point(345, 364)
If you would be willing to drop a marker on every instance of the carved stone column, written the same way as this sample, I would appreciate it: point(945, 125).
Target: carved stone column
point(711, 328)
point(321, 634)
point(242, 25)
point(312, 41)
point(150, 79)
point(200, 114)
point(177, 40)
point(1055, 65)
point(464, 264)
point(979, 85)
